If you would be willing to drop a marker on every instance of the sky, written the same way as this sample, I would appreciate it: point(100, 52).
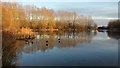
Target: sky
point(61, 0)
point(101, 11)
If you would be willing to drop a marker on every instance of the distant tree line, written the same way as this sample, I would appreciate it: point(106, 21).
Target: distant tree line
point(15, 16)
point(114, 24)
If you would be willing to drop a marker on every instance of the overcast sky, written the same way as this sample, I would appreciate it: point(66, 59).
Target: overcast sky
point(101, 11)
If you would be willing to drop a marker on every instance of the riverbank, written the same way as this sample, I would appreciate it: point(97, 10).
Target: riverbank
point(8, 38)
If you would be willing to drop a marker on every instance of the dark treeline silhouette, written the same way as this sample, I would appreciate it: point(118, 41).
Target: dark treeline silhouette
point(103, 27)
point(112, 29)
point(114, 25)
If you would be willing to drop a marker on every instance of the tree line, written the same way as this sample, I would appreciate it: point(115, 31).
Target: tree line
point(114, 24)
point(15, 16)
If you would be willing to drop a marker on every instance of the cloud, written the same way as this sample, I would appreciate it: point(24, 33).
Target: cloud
point(107, 12)
point(104, 18)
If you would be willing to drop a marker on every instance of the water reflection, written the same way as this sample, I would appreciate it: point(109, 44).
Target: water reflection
point(45, 41)
point(114, 35)
point(48, 40)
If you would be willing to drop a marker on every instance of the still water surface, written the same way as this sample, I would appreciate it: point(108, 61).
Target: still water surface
point(67, 49)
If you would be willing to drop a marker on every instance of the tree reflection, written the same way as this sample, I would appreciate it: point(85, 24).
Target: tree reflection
point(74, 39)
point(11, 49)
point(114, 34)
point(44, 41)
point(49, 40)
point(41, 44)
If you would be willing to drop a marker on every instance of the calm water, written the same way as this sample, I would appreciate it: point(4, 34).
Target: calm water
point(65, 49)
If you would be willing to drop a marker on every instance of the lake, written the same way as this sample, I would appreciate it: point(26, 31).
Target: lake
point(88, 48)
